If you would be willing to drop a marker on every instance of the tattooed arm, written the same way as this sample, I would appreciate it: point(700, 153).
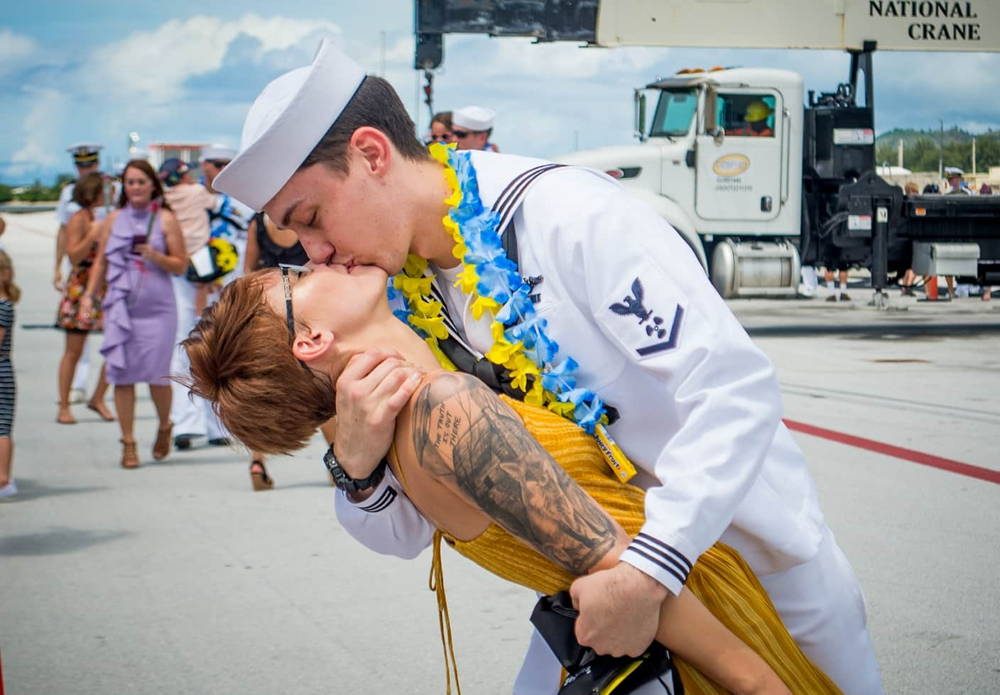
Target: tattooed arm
point(463, 432)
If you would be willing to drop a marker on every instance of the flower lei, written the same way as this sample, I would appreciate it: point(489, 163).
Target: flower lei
point(520, 343)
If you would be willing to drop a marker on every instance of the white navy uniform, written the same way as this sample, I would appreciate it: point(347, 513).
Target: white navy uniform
point(700, 414)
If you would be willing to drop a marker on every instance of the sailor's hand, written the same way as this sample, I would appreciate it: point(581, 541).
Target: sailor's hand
point(57, 280)
point(619, 610)
point(372, 389)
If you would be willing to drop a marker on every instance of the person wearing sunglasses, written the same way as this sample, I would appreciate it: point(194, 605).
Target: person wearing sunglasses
point(516, 488)
point(441, 126)
point(472, 127)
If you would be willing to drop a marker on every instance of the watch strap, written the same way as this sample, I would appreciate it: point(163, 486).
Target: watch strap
point(345, 482)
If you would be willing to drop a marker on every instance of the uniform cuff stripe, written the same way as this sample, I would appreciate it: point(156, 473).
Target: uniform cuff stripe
point(656, 562)
point(384, 500)
point(666, 550)
point(663, 558)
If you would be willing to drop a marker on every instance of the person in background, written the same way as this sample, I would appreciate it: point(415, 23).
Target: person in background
point(838, 292)
point(191, 202)
point(228, 219)
point(82, 236)
point(909, 278)
point(86, 159)
point(441, 126)
point(10, 293)
point(956, 184)
point(755, 119)
point(269, 246)
point(472, 127)
point(986, 188)
point(140, 248)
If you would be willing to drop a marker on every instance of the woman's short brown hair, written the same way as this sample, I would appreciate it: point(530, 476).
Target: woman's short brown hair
point(241, 362)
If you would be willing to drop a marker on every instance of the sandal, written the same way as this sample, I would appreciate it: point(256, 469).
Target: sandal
point(161, 447)
point(130, 454)
point(102, 410)
point(259, 478)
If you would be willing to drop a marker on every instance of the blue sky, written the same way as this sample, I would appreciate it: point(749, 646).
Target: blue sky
point(188, 71)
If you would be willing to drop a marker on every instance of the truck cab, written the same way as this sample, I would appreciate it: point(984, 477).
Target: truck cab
point(721, 160)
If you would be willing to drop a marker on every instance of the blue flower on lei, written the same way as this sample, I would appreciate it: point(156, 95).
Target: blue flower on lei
point(500, 280)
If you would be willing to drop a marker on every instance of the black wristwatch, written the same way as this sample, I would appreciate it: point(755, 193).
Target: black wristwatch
point(346, 482)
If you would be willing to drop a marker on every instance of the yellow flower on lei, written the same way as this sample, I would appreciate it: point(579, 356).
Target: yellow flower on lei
point(502, 349)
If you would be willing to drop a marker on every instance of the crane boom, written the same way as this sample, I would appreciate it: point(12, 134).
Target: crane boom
point(891, 25)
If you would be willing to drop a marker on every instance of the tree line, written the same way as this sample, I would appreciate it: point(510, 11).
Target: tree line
point(924, 149)
point(34, 193)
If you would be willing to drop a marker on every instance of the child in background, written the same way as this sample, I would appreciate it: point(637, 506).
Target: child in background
point(9, 294)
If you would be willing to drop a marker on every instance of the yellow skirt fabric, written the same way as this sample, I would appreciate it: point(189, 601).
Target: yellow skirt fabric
point(723, 582)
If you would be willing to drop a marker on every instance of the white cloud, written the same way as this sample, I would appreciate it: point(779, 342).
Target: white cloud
point(15, 51)
point(154, 65)
point(41, 127)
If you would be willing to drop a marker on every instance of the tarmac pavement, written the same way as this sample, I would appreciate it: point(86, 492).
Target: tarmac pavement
point(176, 577)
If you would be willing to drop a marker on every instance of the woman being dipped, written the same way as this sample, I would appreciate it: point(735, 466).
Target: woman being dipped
point(516, 488)
point(140, 247)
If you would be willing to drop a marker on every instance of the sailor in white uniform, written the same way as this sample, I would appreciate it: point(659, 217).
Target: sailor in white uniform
point(699, 405)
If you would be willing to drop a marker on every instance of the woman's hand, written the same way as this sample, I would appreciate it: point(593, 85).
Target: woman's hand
point(148, 253)
point(87, 304)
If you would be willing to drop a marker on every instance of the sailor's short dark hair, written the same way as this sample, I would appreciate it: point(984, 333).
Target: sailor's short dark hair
point(376, 105)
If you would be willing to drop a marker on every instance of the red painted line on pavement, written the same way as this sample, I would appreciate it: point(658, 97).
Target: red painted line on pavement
point(966, 469)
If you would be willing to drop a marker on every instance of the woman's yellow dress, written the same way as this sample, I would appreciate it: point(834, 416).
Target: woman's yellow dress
point(720, 578)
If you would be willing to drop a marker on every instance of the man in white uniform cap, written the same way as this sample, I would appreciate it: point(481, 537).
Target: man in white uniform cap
point(472, 127)
point(332, 154)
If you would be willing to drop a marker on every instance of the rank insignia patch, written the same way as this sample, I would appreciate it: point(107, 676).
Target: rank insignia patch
point(652, 331)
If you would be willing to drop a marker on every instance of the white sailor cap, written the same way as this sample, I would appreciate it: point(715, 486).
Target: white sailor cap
point(84, 153)
point(473, 117)
point(953, 171)
point(286, 122)
point(218, 152)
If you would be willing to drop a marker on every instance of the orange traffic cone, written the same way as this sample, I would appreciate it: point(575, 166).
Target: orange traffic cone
point(931, 287)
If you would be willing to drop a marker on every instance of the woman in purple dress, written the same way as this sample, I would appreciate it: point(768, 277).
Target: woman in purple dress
point(141, 245)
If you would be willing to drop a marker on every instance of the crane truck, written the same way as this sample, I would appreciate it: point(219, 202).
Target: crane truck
point(800, 188)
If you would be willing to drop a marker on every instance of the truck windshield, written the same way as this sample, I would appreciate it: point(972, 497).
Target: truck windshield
point(674, 112)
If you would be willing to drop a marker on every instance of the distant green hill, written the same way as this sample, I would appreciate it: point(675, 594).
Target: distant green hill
point(922, 148)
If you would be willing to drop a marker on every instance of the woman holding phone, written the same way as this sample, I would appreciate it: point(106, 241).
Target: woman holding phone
point(140, 247)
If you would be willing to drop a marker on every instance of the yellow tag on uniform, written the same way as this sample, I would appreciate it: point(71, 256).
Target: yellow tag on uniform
point(616, 458)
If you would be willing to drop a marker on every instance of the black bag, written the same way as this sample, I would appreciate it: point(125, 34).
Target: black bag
point(589, 673)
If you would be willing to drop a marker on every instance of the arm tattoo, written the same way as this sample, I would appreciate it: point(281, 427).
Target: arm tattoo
point(461, 430)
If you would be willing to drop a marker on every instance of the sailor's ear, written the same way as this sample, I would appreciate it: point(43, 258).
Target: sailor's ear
point(374, 147)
